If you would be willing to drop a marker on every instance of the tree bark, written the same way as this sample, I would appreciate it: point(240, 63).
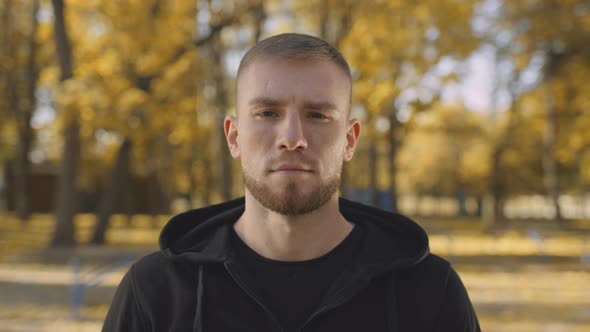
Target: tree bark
point(67, 203)
point(190, 174)
point(207, 177)
point(62, 43)
point(6, 24)
point(554, 60)
point(18, 106)
point(259, 13)
point(493, 202)
point(22, 169)
point(113, 193)
point(324, 19)
point(394, 142)
point(550, 167)
point(335, 28)
point(340, 32)
point(373, 158)
point(345, 24)
point(7, 58)
point(226, 176)
point(495, 186)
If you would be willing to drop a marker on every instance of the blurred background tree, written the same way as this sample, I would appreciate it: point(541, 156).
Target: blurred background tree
point(20, 70)
point(121, 102)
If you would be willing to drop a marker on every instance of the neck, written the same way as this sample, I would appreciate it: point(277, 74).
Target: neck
point(292, 238)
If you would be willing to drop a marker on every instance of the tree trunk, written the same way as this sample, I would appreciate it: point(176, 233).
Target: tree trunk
point(225, 178)
point(495, 214)
point(373, 158)
point(11, 84)
point(334, 29)
point(62, 43)
point(207, 177)
point(22, 169)
point(324, 19)
point(550, 167)
point(461, 204)
point(129, 200)
point(6, 47)
point(154, 196)
point(392, 158)
point(153, 188)
point(492, 204)
point(6, 38)
point(67, 204)
point(190, 194)
point(113, 193)
point(259, 13)
point(345, 23)
point(494, 210)
point(344, 29)
point(553, 62)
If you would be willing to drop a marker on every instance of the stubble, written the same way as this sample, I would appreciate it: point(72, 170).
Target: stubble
point(291, 200)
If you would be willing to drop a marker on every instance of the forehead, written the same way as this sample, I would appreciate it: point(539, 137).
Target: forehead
point(293, 79)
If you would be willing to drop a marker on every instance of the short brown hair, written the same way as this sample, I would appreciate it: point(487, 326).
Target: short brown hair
point(296, 46)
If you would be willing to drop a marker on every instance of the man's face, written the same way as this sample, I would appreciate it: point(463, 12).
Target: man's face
point(292, 132)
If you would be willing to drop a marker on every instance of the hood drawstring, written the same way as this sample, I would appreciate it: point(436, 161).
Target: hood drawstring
point(392, 306)
point(198, 323)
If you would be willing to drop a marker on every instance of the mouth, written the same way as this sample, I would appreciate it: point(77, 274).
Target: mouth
point(291, 173)
point(291, 169)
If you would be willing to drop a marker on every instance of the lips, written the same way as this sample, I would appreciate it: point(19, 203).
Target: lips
point(291, 168)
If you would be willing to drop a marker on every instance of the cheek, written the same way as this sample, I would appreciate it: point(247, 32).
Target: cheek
point(250, 138)
point(332, 152)
point(254, 132)
point(254, 148)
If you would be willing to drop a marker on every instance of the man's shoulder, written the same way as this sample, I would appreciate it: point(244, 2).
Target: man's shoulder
point(429, 276)
point(421, 291)
point(150, 263)
point(152, 276)
point(434, 296)
point(157, 267)
point(430, 265)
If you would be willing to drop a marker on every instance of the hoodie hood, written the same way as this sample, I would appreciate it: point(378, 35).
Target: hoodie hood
point(203, 235)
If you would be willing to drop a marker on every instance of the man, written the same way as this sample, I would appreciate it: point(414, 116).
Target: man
point(291, 255)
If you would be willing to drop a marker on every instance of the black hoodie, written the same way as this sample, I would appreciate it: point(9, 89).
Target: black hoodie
point(193, 284)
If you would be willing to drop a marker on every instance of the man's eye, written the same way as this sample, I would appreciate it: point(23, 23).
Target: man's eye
point(266, 114)
point(317, 116)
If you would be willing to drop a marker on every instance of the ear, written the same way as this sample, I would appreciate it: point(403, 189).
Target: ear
point(230, 127)
point(352, 137)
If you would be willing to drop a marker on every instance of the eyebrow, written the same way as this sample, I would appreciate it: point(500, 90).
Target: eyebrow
point(320, 106)
point(264, 101)
point(316, 106)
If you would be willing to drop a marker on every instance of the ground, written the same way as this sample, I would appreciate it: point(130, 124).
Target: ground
point(528, 276)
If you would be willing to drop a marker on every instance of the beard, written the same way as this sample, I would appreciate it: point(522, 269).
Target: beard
point(291, 201)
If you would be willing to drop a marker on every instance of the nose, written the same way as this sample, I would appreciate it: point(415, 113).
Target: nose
point(292, 136)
